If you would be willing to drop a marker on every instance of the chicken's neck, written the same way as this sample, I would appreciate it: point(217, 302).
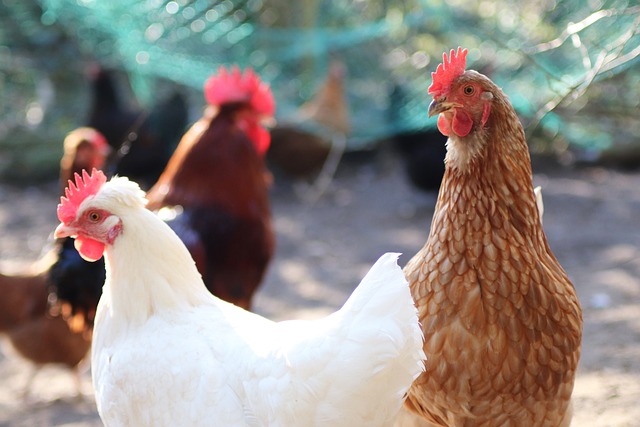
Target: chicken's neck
point(487, 191)
point(149, 270)
point(492, 165)
point(485, 230)
point(490, 191)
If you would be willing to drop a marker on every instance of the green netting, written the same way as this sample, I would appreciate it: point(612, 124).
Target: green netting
point(571, 66)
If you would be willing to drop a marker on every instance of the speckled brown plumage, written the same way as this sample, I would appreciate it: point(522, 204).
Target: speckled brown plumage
point(501, 320)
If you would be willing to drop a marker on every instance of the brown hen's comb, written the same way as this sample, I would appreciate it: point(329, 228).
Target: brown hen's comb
point(85, 186)
point(451, 67)
point(234, 86)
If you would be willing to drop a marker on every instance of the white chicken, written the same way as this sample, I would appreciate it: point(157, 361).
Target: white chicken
point(166, 352)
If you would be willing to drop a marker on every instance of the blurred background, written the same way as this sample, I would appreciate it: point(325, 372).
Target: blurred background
point(352, 77)
point(570, 67)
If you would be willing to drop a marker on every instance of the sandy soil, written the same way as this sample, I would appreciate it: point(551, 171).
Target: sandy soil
point(591, 218)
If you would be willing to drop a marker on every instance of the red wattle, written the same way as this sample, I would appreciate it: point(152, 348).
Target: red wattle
point(89, 249)
point(259, 136)
point(443, 125)
point(262, 140)
point(462, 122)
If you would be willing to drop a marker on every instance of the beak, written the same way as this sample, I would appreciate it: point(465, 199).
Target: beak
point(441, 105)
point(63, 230)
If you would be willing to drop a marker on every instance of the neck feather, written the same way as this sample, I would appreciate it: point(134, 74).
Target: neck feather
point(149, 269)
point(488, 179)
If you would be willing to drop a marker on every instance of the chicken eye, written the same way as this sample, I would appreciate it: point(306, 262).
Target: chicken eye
point(469, 90)
point(94, 216)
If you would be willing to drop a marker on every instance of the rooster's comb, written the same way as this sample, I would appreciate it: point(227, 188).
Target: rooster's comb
point(86, 185)
point(230, 86)
point(451, 67)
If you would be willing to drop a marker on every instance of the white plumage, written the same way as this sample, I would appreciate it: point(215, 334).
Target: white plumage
point(168, 353)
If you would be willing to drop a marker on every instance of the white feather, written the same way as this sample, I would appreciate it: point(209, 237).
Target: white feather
point(168, 353)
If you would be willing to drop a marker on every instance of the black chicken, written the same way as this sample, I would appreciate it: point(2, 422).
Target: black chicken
point(142, 141)
point(422, 150)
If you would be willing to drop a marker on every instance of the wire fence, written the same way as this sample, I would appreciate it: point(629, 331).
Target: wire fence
point(570, 68)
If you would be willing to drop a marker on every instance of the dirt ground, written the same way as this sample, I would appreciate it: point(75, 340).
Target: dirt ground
point(591, 218)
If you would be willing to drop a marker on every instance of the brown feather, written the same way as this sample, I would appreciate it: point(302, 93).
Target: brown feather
point(33, 332)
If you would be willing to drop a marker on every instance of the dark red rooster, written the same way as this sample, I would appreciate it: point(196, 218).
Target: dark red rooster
point(215, 187)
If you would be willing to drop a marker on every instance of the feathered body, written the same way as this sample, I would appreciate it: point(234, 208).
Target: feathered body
point(501, 320)
point(215, 185)
point(166, 352)
point(24, 297)
point(75, 286)
point(37, 336)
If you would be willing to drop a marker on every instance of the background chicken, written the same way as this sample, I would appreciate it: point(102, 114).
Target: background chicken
point(56, 332)
point(229, 367)
point(422, 150)
point(32, 332)
point(214, 191)
point(142, 141)
point(38, 332)
point(75, 284)
point(83, 148)
point(139, 145)
point(501, 320)
point(423, 155)
point(314, 137)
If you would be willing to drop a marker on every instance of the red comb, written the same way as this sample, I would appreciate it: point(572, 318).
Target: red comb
point(451, 67)
point(75, 194)
point(234, 86)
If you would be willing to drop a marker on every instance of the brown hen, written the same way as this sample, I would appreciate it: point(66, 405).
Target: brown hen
point(501, 320)
point(35, 335)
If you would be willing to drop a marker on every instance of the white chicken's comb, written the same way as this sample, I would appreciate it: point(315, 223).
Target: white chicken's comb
point(85, 185)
